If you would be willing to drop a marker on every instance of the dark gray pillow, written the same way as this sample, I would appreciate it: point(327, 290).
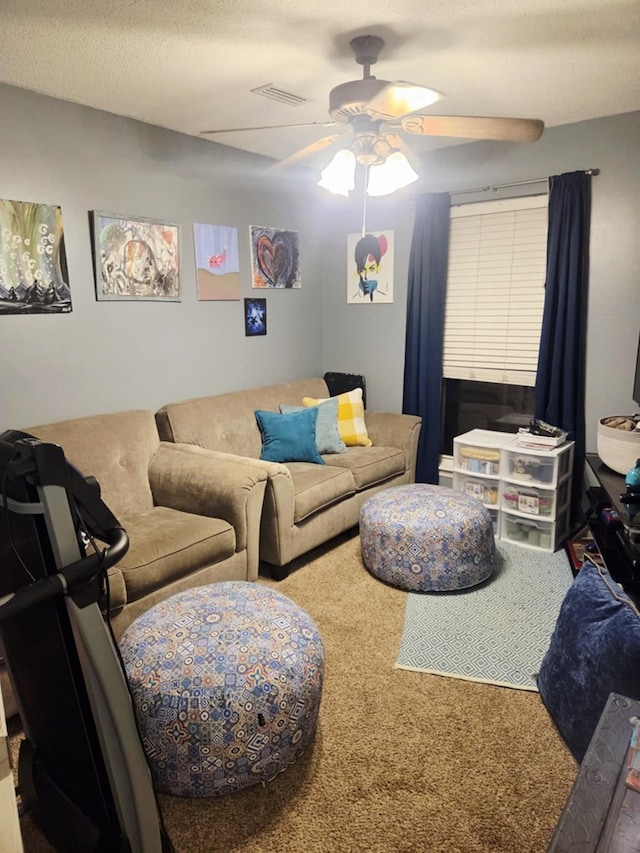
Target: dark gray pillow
point(594, 651)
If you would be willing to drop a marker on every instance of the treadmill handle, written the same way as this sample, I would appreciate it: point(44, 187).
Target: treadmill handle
point(67, 579)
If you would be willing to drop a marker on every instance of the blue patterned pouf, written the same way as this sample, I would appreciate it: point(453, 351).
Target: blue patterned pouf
point(226, 682)
point(427, 538)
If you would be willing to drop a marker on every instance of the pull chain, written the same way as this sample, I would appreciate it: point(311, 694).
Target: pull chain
point(364, 202)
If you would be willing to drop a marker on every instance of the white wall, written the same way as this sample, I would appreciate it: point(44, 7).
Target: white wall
point(110, 356)
point(371, 337)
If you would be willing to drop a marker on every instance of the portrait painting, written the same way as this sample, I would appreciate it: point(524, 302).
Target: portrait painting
point(370, 267)
point(33, 264)
point(136, 259)
point(255, 317)
point(275, 258)
point(217, 262)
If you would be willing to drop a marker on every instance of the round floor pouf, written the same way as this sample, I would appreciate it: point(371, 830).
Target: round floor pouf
point(427, 538)
point(226, 683)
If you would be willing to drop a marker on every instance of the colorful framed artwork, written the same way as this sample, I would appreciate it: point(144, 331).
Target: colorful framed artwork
point(370, 267)
point(33, 264)
point(217, 262)
point(136, 259)
point(275, 258)
point(255, 317)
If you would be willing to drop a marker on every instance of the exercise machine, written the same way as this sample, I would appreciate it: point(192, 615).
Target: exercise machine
point(82, 771)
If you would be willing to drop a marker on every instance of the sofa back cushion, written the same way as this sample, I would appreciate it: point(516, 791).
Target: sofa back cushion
point(226, 422)
point(113, 448)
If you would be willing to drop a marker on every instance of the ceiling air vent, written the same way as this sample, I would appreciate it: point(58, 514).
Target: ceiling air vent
point(275, 93)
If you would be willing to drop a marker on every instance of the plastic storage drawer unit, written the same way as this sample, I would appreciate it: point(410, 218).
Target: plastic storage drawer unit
point(546, 535)
point(534, 500)
point(485, 490)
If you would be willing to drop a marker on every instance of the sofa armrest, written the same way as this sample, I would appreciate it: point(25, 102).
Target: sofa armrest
point(276, 526)
point(191, 479)
point(270, 469)
point(391, 429)
point(117, 589)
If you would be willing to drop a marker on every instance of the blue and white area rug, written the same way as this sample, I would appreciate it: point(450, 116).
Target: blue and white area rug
point(496, 632)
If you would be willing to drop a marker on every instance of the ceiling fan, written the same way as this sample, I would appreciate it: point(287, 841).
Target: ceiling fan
point(374, 110)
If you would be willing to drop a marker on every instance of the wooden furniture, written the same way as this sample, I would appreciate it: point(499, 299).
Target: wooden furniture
point(619, 543)
point(526, 489)
point(601, 812)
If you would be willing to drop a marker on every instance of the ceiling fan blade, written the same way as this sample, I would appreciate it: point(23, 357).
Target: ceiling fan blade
point(305, 153)
point(475, 127)
point(268, 127)
point(399, 99)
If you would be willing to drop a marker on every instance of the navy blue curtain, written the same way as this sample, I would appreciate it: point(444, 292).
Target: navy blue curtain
point(560, 380)
point(427, 286)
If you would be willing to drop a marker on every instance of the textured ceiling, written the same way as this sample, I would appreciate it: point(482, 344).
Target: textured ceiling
point(190, 65)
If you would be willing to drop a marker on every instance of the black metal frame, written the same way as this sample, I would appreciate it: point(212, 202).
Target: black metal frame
point(82, 769)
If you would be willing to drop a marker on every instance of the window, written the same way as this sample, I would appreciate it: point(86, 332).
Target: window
point(493, 315)
point(483, 405)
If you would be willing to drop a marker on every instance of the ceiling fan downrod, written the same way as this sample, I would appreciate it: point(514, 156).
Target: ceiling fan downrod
point(366, 50)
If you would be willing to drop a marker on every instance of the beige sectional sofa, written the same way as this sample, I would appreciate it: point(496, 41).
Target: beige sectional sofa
point(192, 517)
point(305, 504)
point(198, 503)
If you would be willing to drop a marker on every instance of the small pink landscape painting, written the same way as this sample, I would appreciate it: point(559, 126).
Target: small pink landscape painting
point(217, 262)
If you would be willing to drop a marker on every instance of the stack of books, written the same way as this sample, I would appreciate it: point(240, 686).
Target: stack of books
point(525, 438)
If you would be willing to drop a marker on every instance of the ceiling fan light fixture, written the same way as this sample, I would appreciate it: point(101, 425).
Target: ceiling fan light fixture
point(394, 174)
point(417, 97)
point(339, 176)
point(399, 99)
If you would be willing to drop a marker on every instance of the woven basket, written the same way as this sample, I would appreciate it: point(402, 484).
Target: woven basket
point(618, 448)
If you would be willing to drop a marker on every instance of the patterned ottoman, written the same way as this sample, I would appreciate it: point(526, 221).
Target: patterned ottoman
point(226, 682)
point(427, 538)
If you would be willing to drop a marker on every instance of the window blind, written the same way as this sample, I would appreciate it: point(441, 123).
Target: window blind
point(495, 290)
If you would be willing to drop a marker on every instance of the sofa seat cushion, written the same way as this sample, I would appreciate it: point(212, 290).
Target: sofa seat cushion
point(370, 465)
point(318, 486)
point(166, 544)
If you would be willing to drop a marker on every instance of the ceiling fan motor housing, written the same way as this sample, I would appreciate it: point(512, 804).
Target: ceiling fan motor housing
point(349, 99)
point(366, 49)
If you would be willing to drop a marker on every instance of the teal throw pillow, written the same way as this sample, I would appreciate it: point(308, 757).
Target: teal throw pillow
point(289, 438)
point(328, 439)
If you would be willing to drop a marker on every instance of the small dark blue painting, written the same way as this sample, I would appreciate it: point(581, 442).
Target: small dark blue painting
point(255, 317)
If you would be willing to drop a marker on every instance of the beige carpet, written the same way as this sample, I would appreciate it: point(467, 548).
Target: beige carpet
point(403, 761)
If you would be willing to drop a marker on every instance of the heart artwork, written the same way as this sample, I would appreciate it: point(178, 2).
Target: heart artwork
point(277, 256)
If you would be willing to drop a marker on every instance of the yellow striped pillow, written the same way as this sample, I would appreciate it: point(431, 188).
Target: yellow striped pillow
point(353, 429)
